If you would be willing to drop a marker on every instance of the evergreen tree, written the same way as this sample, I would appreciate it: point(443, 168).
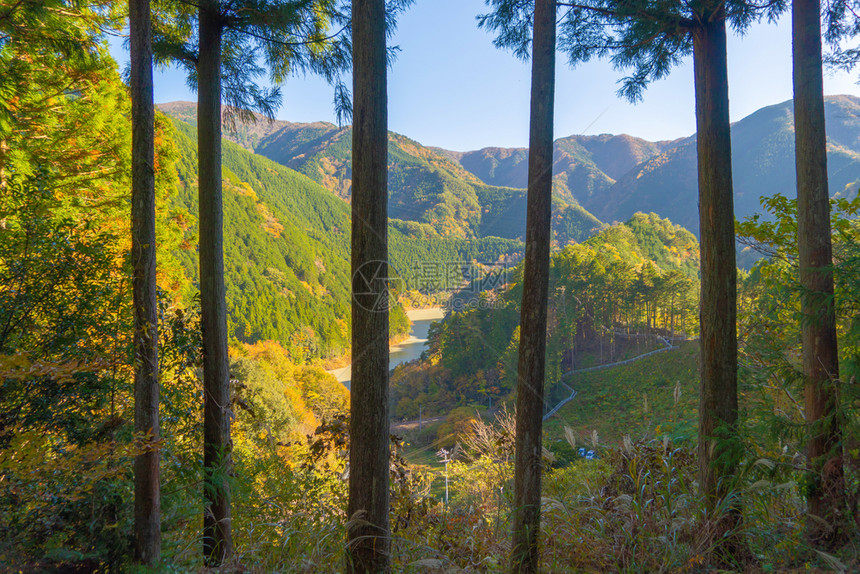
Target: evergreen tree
point(718, 390)
point(820, 357)
point(650, 37)
point(147, 495)
point(217, 447)
point(223, 61)
point(531, 370)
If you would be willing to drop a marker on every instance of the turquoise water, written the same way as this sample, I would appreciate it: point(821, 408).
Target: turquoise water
point(408, 350)
point(412, 348)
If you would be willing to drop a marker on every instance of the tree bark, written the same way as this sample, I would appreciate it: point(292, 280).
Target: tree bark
point(825, 497)
point(217, 446)
point(531, 369)
point(718, 407)
point(147, 497)
point(368, 531)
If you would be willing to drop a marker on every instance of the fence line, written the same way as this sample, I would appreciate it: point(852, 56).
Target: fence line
point(563, 402)
point(668, 347)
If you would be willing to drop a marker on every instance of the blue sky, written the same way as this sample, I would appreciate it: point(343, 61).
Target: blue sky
point(451, 88)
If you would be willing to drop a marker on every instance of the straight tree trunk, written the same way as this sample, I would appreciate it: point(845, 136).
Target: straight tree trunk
point(820, 358)
point(147, 497)
point(368, 532)
point(718, 407)
point(217, 446)
point(531, 370)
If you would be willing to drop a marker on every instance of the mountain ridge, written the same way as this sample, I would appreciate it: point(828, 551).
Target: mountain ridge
point(433, 195)
point(598, 179)
point(762, 165)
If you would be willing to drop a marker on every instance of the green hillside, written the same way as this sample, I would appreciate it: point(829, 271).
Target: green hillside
point(669, 246)
point(431, 195)
point(287, 253)
point(504, 215)
point(246, 134)
point(426, 187)
point(636, 399)
point(609, 298)
point(505, 167)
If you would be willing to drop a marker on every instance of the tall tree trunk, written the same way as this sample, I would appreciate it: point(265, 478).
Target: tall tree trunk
point(820, 357)
point(217, 446)
point(368, 531)
point(147, 497)
point(531, 370)
point(718, 406)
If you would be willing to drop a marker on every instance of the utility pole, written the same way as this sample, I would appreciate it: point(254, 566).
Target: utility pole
point(445, 456)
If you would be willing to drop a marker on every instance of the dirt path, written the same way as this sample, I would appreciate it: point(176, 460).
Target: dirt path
point(412, 425)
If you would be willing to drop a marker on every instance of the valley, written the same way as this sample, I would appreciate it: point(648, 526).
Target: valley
point(176, 310)
point(458, 215)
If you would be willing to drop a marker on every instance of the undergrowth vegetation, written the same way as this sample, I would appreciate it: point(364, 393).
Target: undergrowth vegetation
point(634, 508)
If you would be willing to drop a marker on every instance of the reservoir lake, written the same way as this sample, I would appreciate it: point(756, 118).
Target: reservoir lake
point(407, 350)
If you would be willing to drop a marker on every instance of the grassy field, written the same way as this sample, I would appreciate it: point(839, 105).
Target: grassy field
point(636, 399)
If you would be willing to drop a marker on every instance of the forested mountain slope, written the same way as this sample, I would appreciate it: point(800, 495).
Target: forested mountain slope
point(583, 165)
point(287, 252)
point(436, 193)
point(430, 194)
point(637, 277)
point(613, 177)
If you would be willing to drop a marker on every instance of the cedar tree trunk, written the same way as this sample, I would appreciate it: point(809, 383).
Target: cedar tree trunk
point(368, 531)
point(718, 407)
point(147, 498)
point(217, 447)
point(820, 358)
point(531, 369)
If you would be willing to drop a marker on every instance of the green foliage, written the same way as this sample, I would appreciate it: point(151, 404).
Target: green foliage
point(840, 26)
point(44, 44)
point(64, 238)
point(63, 503)
point(283, 400)
point(263, 397)
point(37, 272)
point(286, 254)
point(504, 212)
point(323, 394)
point(607, 296)
point(289, 508)
point(770, 310)
point(617, 29)
point(272, 36)
point(66, 443)
point(66, 440)
point(770, 321)
point(667, 245)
